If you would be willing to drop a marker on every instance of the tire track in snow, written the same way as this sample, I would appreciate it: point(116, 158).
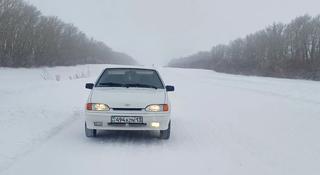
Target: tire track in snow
point(270, 93)
point(213, 79)
point(36, 142)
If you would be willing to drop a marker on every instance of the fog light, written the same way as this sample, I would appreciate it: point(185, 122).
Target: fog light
point(155, 124)
point(97, 123)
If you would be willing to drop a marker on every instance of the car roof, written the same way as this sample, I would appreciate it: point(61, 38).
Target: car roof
point(130, 67)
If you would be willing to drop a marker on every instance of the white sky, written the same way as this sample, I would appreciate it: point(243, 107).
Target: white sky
point(154, 31)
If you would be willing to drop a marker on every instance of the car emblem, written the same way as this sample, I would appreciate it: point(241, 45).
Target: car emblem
point(127, 105)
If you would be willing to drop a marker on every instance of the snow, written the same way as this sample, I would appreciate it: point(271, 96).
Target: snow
point(222, 124)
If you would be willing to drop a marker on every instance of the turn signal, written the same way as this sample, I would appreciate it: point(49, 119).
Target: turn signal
point(165, 107)
point(89, 106)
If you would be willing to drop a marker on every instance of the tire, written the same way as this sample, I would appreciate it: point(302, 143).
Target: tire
point(90, 132)
point(165, 134)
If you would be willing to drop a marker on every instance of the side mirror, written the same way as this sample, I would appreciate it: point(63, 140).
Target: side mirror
point(89, 86)
point(169, 88)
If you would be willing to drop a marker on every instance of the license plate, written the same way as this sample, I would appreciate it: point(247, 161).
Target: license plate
point(126, 119)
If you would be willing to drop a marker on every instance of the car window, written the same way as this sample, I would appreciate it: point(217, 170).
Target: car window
point(143, 78)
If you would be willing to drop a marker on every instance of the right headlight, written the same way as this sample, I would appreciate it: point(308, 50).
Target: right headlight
point(157, 108)
point(97, 107)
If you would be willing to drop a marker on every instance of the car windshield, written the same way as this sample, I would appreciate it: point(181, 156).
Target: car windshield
point(128, 77)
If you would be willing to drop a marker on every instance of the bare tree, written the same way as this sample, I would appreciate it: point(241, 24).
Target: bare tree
point(29, 39)
point(280, 50)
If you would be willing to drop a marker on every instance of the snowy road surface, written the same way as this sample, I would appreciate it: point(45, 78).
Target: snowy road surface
point(222, 124)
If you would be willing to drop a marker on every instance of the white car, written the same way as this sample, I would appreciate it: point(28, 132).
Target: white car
point(128, 99)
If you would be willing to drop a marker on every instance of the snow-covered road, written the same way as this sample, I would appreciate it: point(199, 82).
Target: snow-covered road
point(222, 124)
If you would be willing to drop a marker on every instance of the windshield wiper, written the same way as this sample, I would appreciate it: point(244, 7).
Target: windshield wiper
point(110, 84)
point(140, 85)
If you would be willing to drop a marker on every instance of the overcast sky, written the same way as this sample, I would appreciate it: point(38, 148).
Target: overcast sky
point(154, 31)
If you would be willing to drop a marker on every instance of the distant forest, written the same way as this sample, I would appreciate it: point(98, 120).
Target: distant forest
point(280, 50)
point(29, 39)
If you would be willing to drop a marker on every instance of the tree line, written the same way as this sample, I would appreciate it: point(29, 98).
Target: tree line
point(30, 39)
point(280, 50)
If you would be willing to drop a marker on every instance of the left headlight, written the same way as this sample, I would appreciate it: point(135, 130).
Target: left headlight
point(158, 108)
point(97, 107)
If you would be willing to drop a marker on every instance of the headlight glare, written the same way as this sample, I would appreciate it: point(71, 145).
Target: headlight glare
point(154, 108)
point(99, 107)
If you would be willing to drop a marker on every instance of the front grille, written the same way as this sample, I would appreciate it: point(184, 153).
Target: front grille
point(127, 109)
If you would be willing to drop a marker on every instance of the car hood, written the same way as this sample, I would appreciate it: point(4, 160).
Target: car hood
point(128, 97)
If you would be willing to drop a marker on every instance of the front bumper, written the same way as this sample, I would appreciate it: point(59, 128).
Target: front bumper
point(104, 120)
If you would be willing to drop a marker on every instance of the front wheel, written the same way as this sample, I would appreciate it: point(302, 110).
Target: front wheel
point(90, 132)
point(165, 134)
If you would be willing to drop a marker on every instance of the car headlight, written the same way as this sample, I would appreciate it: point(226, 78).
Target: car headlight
point(97, 107)
point(157, 108)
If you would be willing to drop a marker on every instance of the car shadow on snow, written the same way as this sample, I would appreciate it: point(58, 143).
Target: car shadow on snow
point(128, 136)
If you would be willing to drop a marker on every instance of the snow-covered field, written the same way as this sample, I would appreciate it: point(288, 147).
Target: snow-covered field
point(222, 124)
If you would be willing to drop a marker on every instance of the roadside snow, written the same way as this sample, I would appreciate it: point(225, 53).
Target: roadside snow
point(35, 105)
point(222, 124)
